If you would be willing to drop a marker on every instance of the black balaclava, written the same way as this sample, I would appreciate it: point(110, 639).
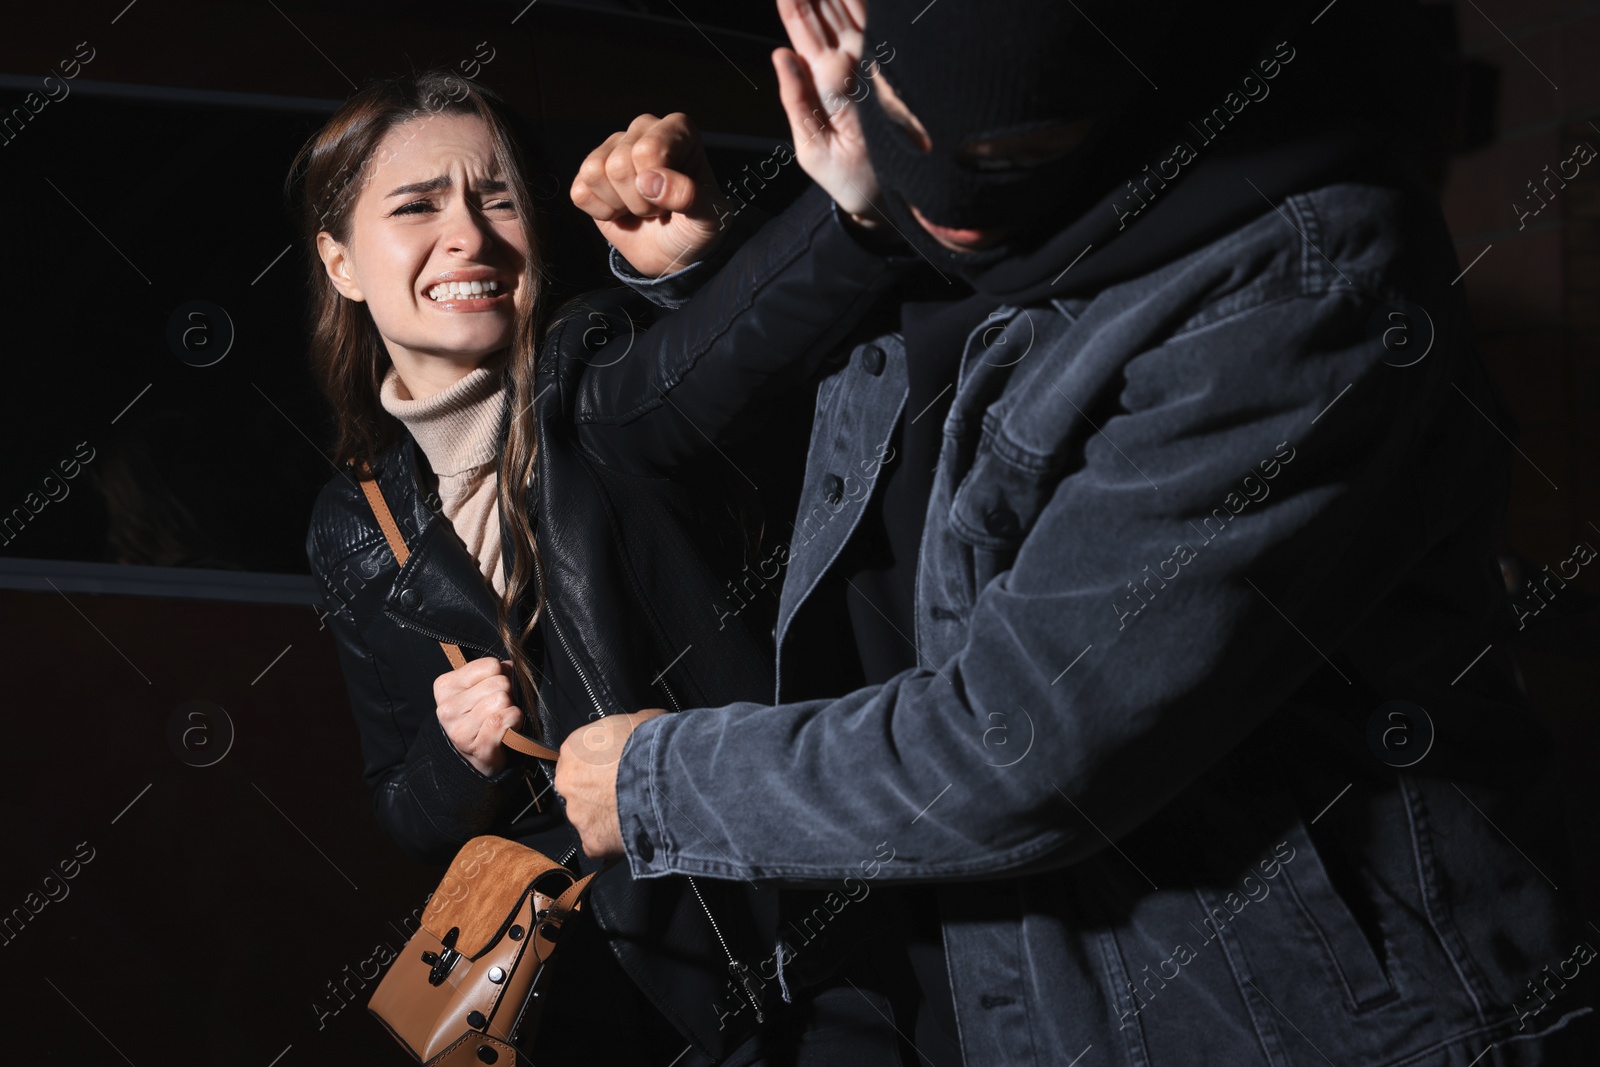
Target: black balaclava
point(970, 72)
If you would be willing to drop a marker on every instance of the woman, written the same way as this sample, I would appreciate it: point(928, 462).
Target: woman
point(414, 201)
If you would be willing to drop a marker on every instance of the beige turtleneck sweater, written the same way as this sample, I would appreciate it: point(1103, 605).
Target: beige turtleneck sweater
point(457, 429)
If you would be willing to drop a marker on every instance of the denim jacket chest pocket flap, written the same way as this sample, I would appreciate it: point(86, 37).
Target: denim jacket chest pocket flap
point(1000, 496)
point(1030, 427)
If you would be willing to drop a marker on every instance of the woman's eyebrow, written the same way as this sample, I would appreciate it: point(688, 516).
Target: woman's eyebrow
point(432, 185)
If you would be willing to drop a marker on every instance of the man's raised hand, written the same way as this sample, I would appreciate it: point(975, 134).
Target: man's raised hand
point(820, 81)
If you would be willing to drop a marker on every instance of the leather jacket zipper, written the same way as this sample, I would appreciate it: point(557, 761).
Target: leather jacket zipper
point(538, 575)
point(740, 971)
point(425, 631)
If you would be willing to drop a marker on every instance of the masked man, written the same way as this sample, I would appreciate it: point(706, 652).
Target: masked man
point(1140, 624)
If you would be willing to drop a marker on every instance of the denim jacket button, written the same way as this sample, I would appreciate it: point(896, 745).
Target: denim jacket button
point(642, 845)
point(833, 489)
point(1002, 522)
point(872, 359)
point(408, 598)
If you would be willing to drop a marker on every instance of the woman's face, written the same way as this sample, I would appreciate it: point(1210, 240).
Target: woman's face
point(433, 219)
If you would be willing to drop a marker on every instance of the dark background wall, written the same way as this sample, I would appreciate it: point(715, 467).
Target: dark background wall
point(174, 709)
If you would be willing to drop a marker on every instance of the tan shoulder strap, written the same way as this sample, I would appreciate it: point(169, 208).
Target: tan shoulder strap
point(397, 545)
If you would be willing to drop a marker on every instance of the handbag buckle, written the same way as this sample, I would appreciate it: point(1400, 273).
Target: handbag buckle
point(440, 963)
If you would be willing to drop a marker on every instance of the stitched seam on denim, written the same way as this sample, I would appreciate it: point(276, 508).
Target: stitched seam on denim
point(1012, 452)
point(1352, 1002)
point(664, 851)
point(1310, 225)
point(963, 529)
point(1019, 455)
point(1022, 953)
point(924, 565)
point(1422, 856)
point(828, 392)
point(963, 366)
point(1112, 960)
point(1463, 1035)
point(1259, 293)
point(1057, 841)
point(949, 971)
point(1366, 285)
point(838, 399)
point(1069, 309)
point(1242, 243)
point(1247, 995)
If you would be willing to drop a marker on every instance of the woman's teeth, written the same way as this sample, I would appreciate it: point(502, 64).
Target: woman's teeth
point(456, 290)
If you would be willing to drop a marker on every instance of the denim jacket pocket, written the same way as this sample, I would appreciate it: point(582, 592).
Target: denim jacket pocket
point(997, 503)
point(1333, 925)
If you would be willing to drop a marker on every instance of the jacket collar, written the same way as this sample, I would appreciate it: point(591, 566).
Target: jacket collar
point(439, 591)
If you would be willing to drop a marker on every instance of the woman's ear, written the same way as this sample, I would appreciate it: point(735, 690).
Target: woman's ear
point(336, 260)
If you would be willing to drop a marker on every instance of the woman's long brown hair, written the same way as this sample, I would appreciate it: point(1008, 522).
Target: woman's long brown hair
point(348, 357)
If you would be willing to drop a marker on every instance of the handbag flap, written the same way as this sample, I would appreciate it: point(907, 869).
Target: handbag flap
point(481, 890)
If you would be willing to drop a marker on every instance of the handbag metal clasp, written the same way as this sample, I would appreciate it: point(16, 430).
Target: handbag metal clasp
point(441, 962)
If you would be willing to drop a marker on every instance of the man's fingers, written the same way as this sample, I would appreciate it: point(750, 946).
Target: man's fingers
point(857, 11)
point(798, 92)
point(844, 24)
point(800, 22)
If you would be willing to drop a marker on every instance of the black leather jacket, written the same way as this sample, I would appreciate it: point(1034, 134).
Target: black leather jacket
point(631, 409)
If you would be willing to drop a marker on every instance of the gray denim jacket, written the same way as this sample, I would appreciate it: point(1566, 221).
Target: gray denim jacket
point(1205, 553)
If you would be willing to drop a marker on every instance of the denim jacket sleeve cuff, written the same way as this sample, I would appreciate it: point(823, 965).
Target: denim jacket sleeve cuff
point(884, 241)
point(644, 832)
point(670, 291)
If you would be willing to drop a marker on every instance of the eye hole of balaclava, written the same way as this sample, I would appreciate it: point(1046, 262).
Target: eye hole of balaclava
point(1020, 149)
point(977, 111)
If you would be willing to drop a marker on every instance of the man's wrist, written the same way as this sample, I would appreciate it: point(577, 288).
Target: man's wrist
point(643, 837)
point(871, 231)
point(864, 222)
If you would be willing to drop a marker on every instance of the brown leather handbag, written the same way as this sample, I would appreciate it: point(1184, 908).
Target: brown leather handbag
point(469, 985)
